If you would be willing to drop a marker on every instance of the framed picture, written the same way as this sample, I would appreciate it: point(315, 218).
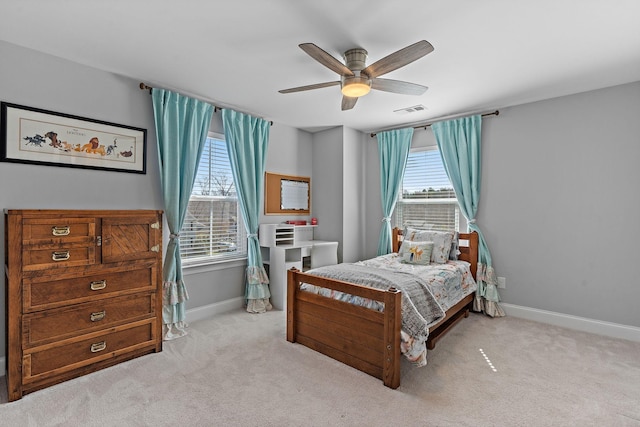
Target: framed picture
point(40, 137)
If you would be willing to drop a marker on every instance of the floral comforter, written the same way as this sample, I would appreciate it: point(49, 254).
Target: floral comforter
point(428, 291)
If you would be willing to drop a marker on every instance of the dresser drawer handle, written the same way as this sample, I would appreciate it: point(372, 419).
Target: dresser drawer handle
point(99, 346)
point(100, 284)
point(98, 315)
point(60, 256)
point(61, 231)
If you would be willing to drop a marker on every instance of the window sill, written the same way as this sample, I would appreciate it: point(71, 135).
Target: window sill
point(197, 268)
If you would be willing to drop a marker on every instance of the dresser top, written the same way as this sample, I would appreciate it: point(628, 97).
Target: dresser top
point(77, 213)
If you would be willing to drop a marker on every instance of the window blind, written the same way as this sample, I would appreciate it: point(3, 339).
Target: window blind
point(213, 229)
point(427, 195)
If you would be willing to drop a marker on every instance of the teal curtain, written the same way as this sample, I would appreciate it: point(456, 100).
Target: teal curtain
point(247, 142)
point(182, 125)
point(459, 142)
point(393, 151)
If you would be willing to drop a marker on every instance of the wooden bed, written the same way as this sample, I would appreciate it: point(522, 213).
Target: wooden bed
point(365, 339)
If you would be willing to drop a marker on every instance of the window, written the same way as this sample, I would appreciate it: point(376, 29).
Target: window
point(213, 229)
point(427, 194)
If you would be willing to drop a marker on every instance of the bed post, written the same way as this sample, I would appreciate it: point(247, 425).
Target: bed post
point(395, 239)
point(392, 323)
point(292, 287)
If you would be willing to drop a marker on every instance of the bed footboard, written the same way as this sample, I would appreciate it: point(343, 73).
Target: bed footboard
point(365, 339)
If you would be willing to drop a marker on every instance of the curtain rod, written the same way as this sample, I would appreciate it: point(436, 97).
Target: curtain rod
point(215, 108)
point(425, 126)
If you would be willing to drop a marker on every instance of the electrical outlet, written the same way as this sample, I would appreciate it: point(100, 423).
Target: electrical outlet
point(502, 283)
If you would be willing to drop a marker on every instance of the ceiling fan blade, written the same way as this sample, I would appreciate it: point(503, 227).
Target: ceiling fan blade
point(397, 86)
point(310, 87)
point(348, 102)
point(325, 59)
point(399, 59)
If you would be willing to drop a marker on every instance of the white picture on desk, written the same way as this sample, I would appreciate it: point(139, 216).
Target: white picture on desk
point(294, 195)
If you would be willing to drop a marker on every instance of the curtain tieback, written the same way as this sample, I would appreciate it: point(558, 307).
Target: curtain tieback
point(175, 236)
point(386, 219)
point(252, 236)
point(472, 221)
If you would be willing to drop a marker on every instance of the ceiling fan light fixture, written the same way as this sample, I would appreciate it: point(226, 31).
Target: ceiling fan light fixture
point(355, 87)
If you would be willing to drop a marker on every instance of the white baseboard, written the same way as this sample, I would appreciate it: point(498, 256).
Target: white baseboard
point(207, 311)
point(614, 330)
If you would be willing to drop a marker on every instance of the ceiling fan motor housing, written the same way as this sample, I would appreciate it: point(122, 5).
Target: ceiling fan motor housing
point(355, 59)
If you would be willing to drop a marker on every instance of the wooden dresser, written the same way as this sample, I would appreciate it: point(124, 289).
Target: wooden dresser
point(83, 292)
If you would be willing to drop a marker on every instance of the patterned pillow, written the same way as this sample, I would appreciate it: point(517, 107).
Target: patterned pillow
point(412, 252)
point(417, 234)
point(442, 241)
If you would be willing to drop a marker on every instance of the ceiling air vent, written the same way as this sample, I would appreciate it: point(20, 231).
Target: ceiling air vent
point(414, 109)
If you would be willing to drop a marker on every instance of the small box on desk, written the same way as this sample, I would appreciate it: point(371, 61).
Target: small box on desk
point(297, 222)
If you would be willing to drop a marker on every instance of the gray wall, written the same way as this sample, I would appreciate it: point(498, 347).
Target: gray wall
point(339, 193)
point(353, 196)
point(559, 195)
point(326, 187)
point(559, 199)
point(373, 198)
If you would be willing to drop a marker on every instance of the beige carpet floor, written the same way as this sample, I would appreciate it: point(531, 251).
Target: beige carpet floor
point(237, 369)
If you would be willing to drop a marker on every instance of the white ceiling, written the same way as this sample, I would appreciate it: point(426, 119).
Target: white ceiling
point(238, 53)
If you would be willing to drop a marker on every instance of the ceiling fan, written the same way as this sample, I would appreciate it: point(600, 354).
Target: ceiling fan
point(357, 79)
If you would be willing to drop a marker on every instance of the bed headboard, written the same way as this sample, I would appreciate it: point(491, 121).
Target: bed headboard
point(467, 243)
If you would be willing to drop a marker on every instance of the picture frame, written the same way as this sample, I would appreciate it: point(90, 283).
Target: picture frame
point(41, 137)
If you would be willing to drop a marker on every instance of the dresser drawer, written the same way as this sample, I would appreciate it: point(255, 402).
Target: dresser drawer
point(58, 229)
point(40, 328)
point(48, 292)
point(47, 361)
point(59, 256)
